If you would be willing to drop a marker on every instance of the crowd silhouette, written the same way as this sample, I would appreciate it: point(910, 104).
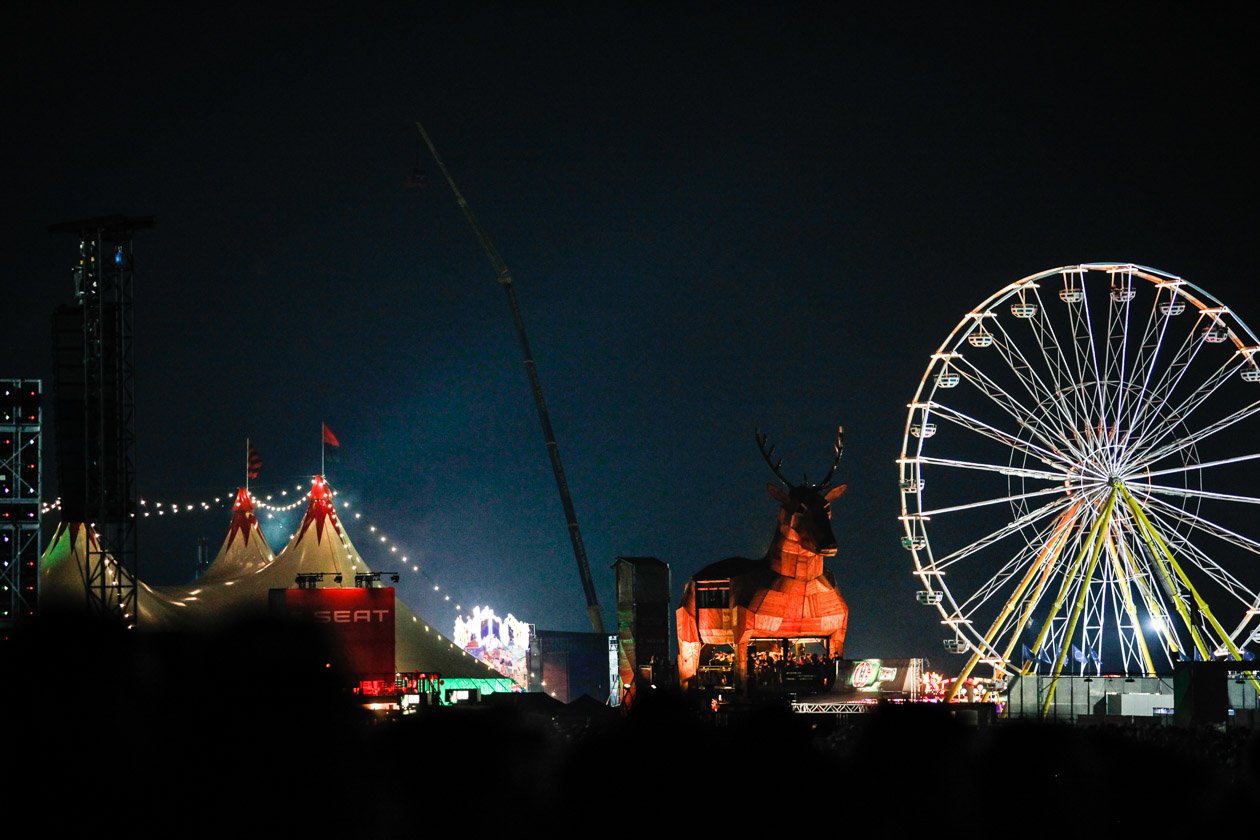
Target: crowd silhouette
point(203, 735)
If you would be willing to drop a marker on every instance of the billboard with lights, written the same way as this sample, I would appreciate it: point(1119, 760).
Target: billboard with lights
point(880, 677)
point(357, 623)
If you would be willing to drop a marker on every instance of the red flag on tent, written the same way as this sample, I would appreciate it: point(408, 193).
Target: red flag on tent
point(255, 463)
point(329, 437)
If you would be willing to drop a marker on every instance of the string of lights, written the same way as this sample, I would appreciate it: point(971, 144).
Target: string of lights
point(162, 508)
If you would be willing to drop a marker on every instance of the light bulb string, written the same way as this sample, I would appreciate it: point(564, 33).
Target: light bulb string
point(154, 508)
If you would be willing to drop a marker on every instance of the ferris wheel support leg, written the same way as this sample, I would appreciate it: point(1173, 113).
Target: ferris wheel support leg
point(1161, 554)
point(1124, 573)
point(1032, 603)
point(1095, 548)
point(1059, 536)
point(1064, 588)
point(1149, 600)
point(1185, 580)
point(1049, 554)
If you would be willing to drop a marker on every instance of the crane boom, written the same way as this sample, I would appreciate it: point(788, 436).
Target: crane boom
point(553, 450)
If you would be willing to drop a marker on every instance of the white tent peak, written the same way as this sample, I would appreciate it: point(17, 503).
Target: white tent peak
point(320, 511)
point(245, 549)
point(320, 544)
point(244, 521)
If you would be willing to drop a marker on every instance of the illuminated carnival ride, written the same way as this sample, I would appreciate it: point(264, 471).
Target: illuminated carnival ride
point(1077, 478)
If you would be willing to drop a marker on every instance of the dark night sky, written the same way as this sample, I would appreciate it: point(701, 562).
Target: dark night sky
point(717, 221)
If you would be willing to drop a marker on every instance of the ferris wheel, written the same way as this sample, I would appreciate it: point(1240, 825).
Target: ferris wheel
point(1080, 477)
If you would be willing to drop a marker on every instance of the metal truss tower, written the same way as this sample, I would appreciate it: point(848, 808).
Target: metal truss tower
point(21, 417)
point(96, 410)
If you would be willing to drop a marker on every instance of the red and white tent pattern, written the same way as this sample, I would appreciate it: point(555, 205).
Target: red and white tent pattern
point(238, 582)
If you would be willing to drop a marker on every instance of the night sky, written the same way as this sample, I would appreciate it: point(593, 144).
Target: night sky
point(718, 220)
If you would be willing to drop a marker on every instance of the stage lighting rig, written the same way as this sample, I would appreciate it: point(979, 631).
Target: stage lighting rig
point(311, 580)
point(368, 580)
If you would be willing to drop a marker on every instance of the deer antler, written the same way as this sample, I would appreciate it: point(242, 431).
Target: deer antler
point(768, 454)
point(839, 448)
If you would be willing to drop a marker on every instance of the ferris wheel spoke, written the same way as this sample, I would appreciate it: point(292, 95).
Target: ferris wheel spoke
point(1028, 377)
point(1170, 377)
point(1087, 356)
point(994, 501)
point(1212, 571)
point(1152, 338)
point(1033, 558)
point(1131, 371)
point(1066, 398)
point(1012, 527)
point(1189, 467)
point(1191, 493)
point(1186, 441)
point(970, 607)
point(1193, 520)
point(1000, 397)
point(1002, 469)
point(1116, 346)
point(1171, 418)
point(1016, 360)
point(1182, 412)
point(1047, 456)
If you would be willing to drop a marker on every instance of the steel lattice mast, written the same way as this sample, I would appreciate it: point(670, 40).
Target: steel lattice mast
point(504, 276)
point(96, 410)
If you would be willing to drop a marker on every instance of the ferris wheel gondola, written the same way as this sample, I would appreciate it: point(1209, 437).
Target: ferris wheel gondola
point(1085, 500)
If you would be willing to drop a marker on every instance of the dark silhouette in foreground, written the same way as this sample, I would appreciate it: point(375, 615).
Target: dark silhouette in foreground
point(251, 730)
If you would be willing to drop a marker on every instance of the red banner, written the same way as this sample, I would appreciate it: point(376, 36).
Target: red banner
point(359, 623)
point(329, 437)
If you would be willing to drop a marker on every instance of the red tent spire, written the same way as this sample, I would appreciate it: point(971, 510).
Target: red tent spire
point(243, 518)
point(320, 510)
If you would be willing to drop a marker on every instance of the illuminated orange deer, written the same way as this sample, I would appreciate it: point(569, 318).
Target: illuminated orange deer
point(786, 594)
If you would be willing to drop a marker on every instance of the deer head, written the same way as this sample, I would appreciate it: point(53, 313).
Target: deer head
point(805, 508)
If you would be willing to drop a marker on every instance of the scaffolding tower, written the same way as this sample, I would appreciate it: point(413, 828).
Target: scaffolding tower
point(95, 404)
point(21, 440)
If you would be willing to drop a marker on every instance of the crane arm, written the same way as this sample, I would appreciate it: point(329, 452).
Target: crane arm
point(531, 369)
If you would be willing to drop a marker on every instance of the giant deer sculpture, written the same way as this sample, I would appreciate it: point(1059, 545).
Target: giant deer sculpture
point(787, 593)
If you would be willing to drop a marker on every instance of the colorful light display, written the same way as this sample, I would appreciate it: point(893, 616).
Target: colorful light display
point(502, 643)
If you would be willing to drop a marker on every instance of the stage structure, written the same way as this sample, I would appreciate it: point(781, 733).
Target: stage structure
point(776, 622)
point(1078, 479)
point(95, 408)
point(643, 607)
point(21, 444)
point(567, 664)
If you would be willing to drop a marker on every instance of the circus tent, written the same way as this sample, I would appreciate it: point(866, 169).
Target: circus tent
point(238, 582)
